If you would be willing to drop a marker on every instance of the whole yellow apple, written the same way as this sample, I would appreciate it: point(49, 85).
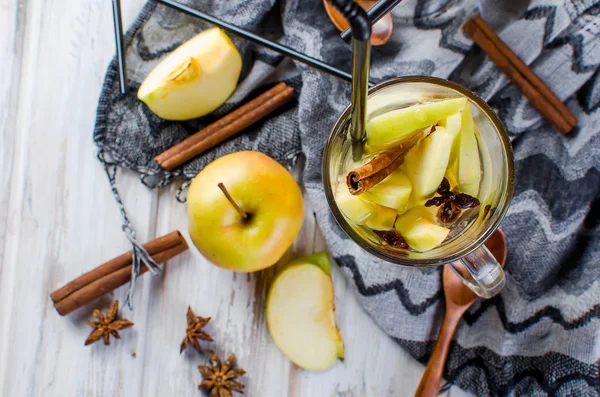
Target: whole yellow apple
point(249, 222)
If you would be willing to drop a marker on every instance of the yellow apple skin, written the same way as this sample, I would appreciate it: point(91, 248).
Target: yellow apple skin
point(265, 190)
point(195, 79)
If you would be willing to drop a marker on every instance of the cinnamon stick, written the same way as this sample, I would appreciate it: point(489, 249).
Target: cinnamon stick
point(366, 176)
point(226, 127)
point(524, 78)
point(113, 274)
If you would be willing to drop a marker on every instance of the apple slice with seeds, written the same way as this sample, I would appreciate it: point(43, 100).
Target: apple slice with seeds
point(301, 313)
point(392, 127)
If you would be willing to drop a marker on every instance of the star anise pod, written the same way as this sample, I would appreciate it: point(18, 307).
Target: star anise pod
point(107, 325)
point(451, 202)
point(218, 378)
point(391, 237)
point(193, 331)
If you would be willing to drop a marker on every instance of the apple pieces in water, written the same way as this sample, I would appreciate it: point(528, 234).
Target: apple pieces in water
point(420, 231)
point(393, 192)
point(195, 79)
point(362, 212)
point(425, 164)
point(301, 313)
point(464, 169)
point(392, 127)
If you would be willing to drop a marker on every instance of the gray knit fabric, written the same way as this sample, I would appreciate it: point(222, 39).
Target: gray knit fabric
point(540, 336)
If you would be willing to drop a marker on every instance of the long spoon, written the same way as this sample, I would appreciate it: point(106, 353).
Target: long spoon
point(361, 56)
point(458, 299)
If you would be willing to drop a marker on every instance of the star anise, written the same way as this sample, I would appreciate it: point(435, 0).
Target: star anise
point(391, 237)
point(193, 331)
point(107, 325)
point(218, 377)
point(451, 202)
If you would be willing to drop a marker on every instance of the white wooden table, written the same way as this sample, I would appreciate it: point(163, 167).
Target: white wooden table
point(58, 220)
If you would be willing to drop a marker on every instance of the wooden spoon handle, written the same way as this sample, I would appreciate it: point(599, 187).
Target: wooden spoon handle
point(432, 377)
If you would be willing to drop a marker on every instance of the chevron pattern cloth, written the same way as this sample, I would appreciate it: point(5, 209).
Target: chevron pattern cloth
point(540, 336)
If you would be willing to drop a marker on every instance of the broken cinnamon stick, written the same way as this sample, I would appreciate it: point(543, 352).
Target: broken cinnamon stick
point(522, 76)
point(226, 127)
point(366, 176)
point(113, 274)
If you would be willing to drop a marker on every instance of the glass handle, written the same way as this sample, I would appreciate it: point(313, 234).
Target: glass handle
point(480, 272)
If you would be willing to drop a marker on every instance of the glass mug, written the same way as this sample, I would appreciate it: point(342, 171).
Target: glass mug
point(463, 250)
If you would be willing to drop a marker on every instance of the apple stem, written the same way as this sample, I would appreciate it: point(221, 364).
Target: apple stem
point(242, 213)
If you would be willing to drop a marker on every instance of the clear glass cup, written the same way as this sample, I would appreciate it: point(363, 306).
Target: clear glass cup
point(464, 249)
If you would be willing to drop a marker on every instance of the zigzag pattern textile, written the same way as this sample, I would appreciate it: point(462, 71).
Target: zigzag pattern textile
point(540, 336)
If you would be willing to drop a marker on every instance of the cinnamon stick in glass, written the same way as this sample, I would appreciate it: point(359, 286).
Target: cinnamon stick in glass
point(113, 274)
point(366, 176)
point(226, 127)
point(524, 78)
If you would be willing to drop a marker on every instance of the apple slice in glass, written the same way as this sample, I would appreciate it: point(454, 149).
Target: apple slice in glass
point(420, 231)
point(425, 164)
point(393, 127)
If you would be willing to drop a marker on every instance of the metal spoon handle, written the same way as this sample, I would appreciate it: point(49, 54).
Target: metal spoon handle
point(361, 55)
point(361, 49)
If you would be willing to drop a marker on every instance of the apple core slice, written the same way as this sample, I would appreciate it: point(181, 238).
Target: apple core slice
point(194, 79)
point(395, 126)
point(419, 229)
point(301, 313)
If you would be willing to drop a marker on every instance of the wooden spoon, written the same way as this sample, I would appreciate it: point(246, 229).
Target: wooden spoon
point(458, 299)
point(381, 31)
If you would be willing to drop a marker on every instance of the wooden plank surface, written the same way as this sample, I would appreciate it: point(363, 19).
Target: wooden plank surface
point(58, 219)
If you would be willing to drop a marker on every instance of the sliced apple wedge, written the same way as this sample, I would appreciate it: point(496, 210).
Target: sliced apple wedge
point(382, 218)
point(425, 164)
point(301, 313)
point(469, 165)
point(363, 212)
point(393, 192)
point(352, 207)
point(195, 79)
point(453, 123)
point(464, 167)
point(419, 229)
point(395, 126)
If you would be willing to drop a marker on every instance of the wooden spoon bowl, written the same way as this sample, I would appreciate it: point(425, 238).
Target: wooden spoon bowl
point(459, 298)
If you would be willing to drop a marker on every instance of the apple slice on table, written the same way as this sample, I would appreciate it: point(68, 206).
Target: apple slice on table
point(464, 167)
point(393, 192)
point(301, 313)
point(393, 127)
point(249, 223)
point(420, 231)
point(363, 212)
point(194, 79)
point(425, 164)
